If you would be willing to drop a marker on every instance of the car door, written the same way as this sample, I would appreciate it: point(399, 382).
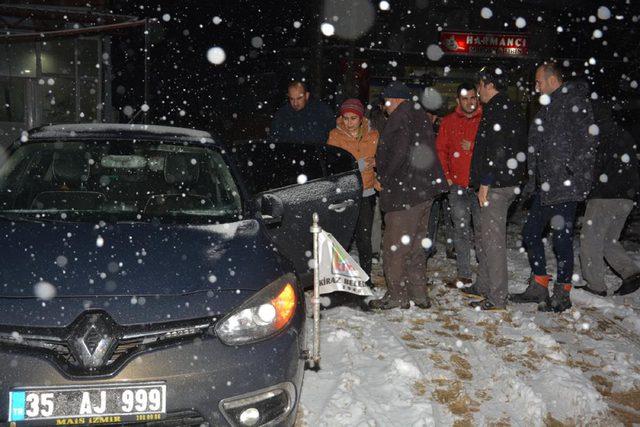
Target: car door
point(304, 179)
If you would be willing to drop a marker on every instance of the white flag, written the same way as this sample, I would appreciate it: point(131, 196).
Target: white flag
point(337, 270)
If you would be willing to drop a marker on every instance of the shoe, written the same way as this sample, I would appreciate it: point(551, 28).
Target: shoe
point(537, 291)
point(592, 291)
point(472, 292)
point(629, 285)
point(387, 303)
point(485, 305)
point(458, 282)
point(425, 304)
point(559, 301)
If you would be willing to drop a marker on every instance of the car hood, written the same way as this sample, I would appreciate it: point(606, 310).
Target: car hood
point(175, 271)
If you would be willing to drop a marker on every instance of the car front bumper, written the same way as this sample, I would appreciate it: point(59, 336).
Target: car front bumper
point(202, 376)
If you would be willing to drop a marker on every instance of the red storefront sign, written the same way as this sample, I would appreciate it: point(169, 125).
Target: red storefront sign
point(484, 44)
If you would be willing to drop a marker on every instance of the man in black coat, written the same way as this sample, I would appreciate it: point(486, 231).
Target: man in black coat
point(303, 118)
point(411, 177)
point(497, 171)
point(562, 147)
point(616, 186)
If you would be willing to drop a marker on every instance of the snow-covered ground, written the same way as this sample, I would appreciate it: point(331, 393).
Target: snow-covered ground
point(451, 365)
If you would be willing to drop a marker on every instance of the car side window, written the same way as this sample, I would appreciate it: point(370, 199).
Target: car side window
point(267, 165)
point(337, 161)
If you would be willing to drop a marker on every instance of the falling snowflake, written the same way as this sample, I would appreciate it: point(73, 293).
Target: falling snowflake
point(44, 290)
point(604, 13)
point(486, 13)
point(434, 52)
point(257, 42)
point(216, 55)
point(327, 29)
point(544, 99)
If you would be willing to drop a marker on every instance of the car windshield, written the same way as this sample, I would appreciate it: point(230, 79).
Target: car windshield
point(118, 181)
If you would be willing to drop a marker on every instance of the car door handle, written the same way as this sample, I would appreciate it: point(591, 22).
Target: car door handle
point(340, 207)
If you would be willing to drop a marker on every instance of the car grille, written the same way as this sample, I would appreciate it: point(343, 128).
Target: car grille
point(94, 345)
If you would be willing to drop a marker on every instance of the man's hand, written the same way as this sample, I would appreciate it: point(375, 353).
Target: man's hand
point(466, 145)
point(449, 182)
point(483, 195)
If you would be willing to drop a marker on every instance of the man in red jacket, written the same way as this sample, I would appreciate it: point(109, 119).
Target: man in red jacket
point(454, 144)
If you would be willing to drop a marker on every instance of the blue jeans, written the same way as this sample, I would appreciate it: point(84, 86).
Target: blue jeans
point(561, 218)
point(464, 205)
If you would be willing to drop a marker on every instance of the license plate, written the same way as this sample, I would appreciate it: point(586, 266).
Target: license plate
point(88, 405)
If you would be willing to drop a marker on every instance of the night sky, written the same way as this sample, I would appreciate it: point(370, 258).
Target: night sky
point(269, 42)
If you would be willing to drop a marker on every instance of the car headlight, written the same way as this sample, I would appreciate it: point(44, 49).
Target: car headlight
point(261, 316)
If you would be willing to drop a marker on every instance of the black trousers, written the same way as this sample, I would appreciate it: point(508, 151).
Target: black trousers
point(362, 235)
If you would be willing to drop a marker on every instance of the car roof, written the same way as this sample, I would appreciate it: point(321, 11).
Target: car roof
point(115, 131)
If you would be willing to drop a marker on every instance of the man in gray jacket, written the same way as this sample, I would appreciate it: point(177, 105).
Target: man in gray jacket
point(562, 147)
point(411, 177)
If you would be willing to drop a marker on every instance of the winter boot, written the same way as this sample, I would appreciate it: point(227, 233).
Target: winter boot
point(424, 304)
point(485, 305)
point(537, 291)
point(559, 301)
point(387, 303)
point(629, 285)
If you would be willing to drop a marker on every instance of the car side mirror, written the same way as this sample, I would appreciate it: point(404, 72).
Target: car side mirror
point(271, 209)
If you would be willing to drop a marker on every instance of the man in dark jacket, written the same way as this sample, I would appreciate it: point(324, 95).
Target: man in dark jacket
point(616, 186)
point(562, 145)
point(411, 177)
point(497, 172)
point(302, 118)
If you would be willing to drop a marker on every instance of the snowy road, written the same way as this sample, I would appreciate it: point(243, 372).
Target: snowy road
point(452, 365)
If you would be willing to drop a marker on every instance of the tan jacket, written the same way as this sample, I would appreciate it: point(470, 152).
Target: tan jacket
point(362, 147)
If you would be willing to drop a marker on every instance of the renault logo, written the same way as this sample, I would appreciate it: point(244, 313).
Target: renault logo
point(92, 341)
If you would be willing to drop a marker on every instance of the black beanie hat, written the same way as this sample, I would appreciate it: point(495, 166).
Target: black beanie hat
point(397, 90)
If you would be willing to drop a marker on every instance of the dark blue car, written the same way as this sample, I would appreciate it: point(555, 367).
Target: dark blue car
point(152, 275)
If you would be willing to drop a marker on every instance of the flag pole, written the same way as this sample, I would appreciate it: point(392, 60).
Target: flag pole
point(315, 229)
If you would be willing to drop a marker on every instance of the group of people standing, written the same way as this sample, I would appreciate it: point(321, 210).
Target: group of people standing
point(484, 158)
